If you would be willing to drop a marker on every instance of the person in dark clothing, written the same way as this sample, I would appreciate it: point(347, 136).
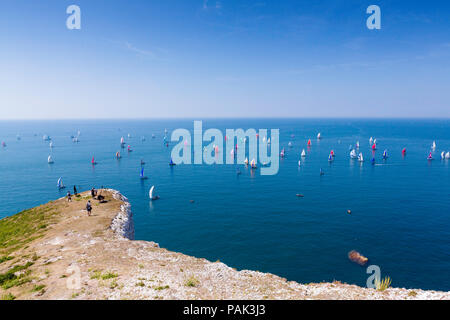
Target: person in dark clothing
point(75, 192)
point(93, 192)
point(69, 196)
point(89, 207)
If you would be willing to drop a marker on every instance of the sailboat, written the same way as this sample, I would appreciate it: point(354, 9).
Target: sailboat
point(430, 157)
point(253, 164)
point(332, 153)
point(303, 154)
point(442, 155)
point(357, 144)
point(404, 151)
point(118, 156)
point(142, 174)
point(60, 184)
point(290, 144)
point(299, 163)
point(330, 158)
point(268, 141)
point(433, 146)
point(246, 161)
point(309, 143)
point(370, 140)
point(75, 139)
point(129, 136)
point(360, 157)
point(374, 146)
point(93, 161)
point(319, 136)
point(50, 159)
point(385, 154)
point(171, 163)
point(447, 155)
point(51, 144)
point(282, 153)
point(151, 194)
point(46, 137)
point(353, 154)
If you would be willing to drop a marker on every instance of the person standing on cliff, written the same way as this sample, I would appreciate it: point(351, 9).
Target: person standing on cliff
point(88, 207)
point(69, 197)
point(75, 192)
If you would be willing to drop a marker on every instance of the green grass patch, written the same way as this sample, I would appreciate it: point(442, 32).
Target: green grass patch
point(5, 258)
point(8, 296)
point(9, 279)
point(38, 288)
point(191, 282)
point(22, 228)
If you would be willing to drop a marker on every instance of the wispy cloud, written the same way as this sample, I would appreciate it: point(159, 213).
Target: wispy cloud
point(139, 51)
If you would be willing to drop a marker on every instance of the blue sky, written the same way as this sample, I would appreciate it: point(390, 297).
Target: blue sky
point(197, 59)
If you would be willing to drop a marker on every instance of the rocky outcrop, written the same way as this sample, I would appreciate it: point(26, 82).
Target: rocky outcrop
point(122, 224)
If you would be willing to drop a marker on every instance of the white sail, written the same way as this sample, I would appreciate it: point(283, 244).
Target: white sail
point(318, 136)
point(246, 161)
point(268, 141)
point(357, 144)
point(353, 154)
point(150, 193)
point(360, 157)
point(303, 153)
point(443, 155)
point(371, 140)
point(447, 155)
point(122, 140)
point(433, 146)
point(50, 159)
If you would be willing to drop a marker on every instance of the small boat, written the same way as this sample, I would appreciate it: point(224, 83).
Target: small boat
point(370, 140)
point(46, 137)
point(373, 160)
point(290, 144)
point(332, 153)
point(319, 136)
point(282, 153)
point(142, 162)
point(447, 155)
point(51, 144)
point(357, 144)
point(129, 149)
point(385, 154)
point(75, 140)
point(253, 164)
point(299, 163)
point(374, 146)
point(353, 154)
point(433, 145)
point(309, 143)
point(360, 157)
point(246, 161)
point(171, 163)
point(330, 158)
point(303, 154)
point(142, 174)
point(151, 194)
point(268, 141)
point(403, 151)
point(50, 160)
point(321, 172)
point(118, 156)
point(430, 157)
point(60, 184)
point(93, 161)
point(122, 141)
point(442, 155)
point(129, 136)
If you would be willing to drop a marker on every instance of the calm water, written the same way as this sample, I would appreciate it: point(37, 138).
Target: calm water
point(400, 208)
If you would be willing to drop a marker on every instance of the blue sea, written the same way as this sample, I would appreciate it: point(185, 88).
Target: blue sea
point(400, 207)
